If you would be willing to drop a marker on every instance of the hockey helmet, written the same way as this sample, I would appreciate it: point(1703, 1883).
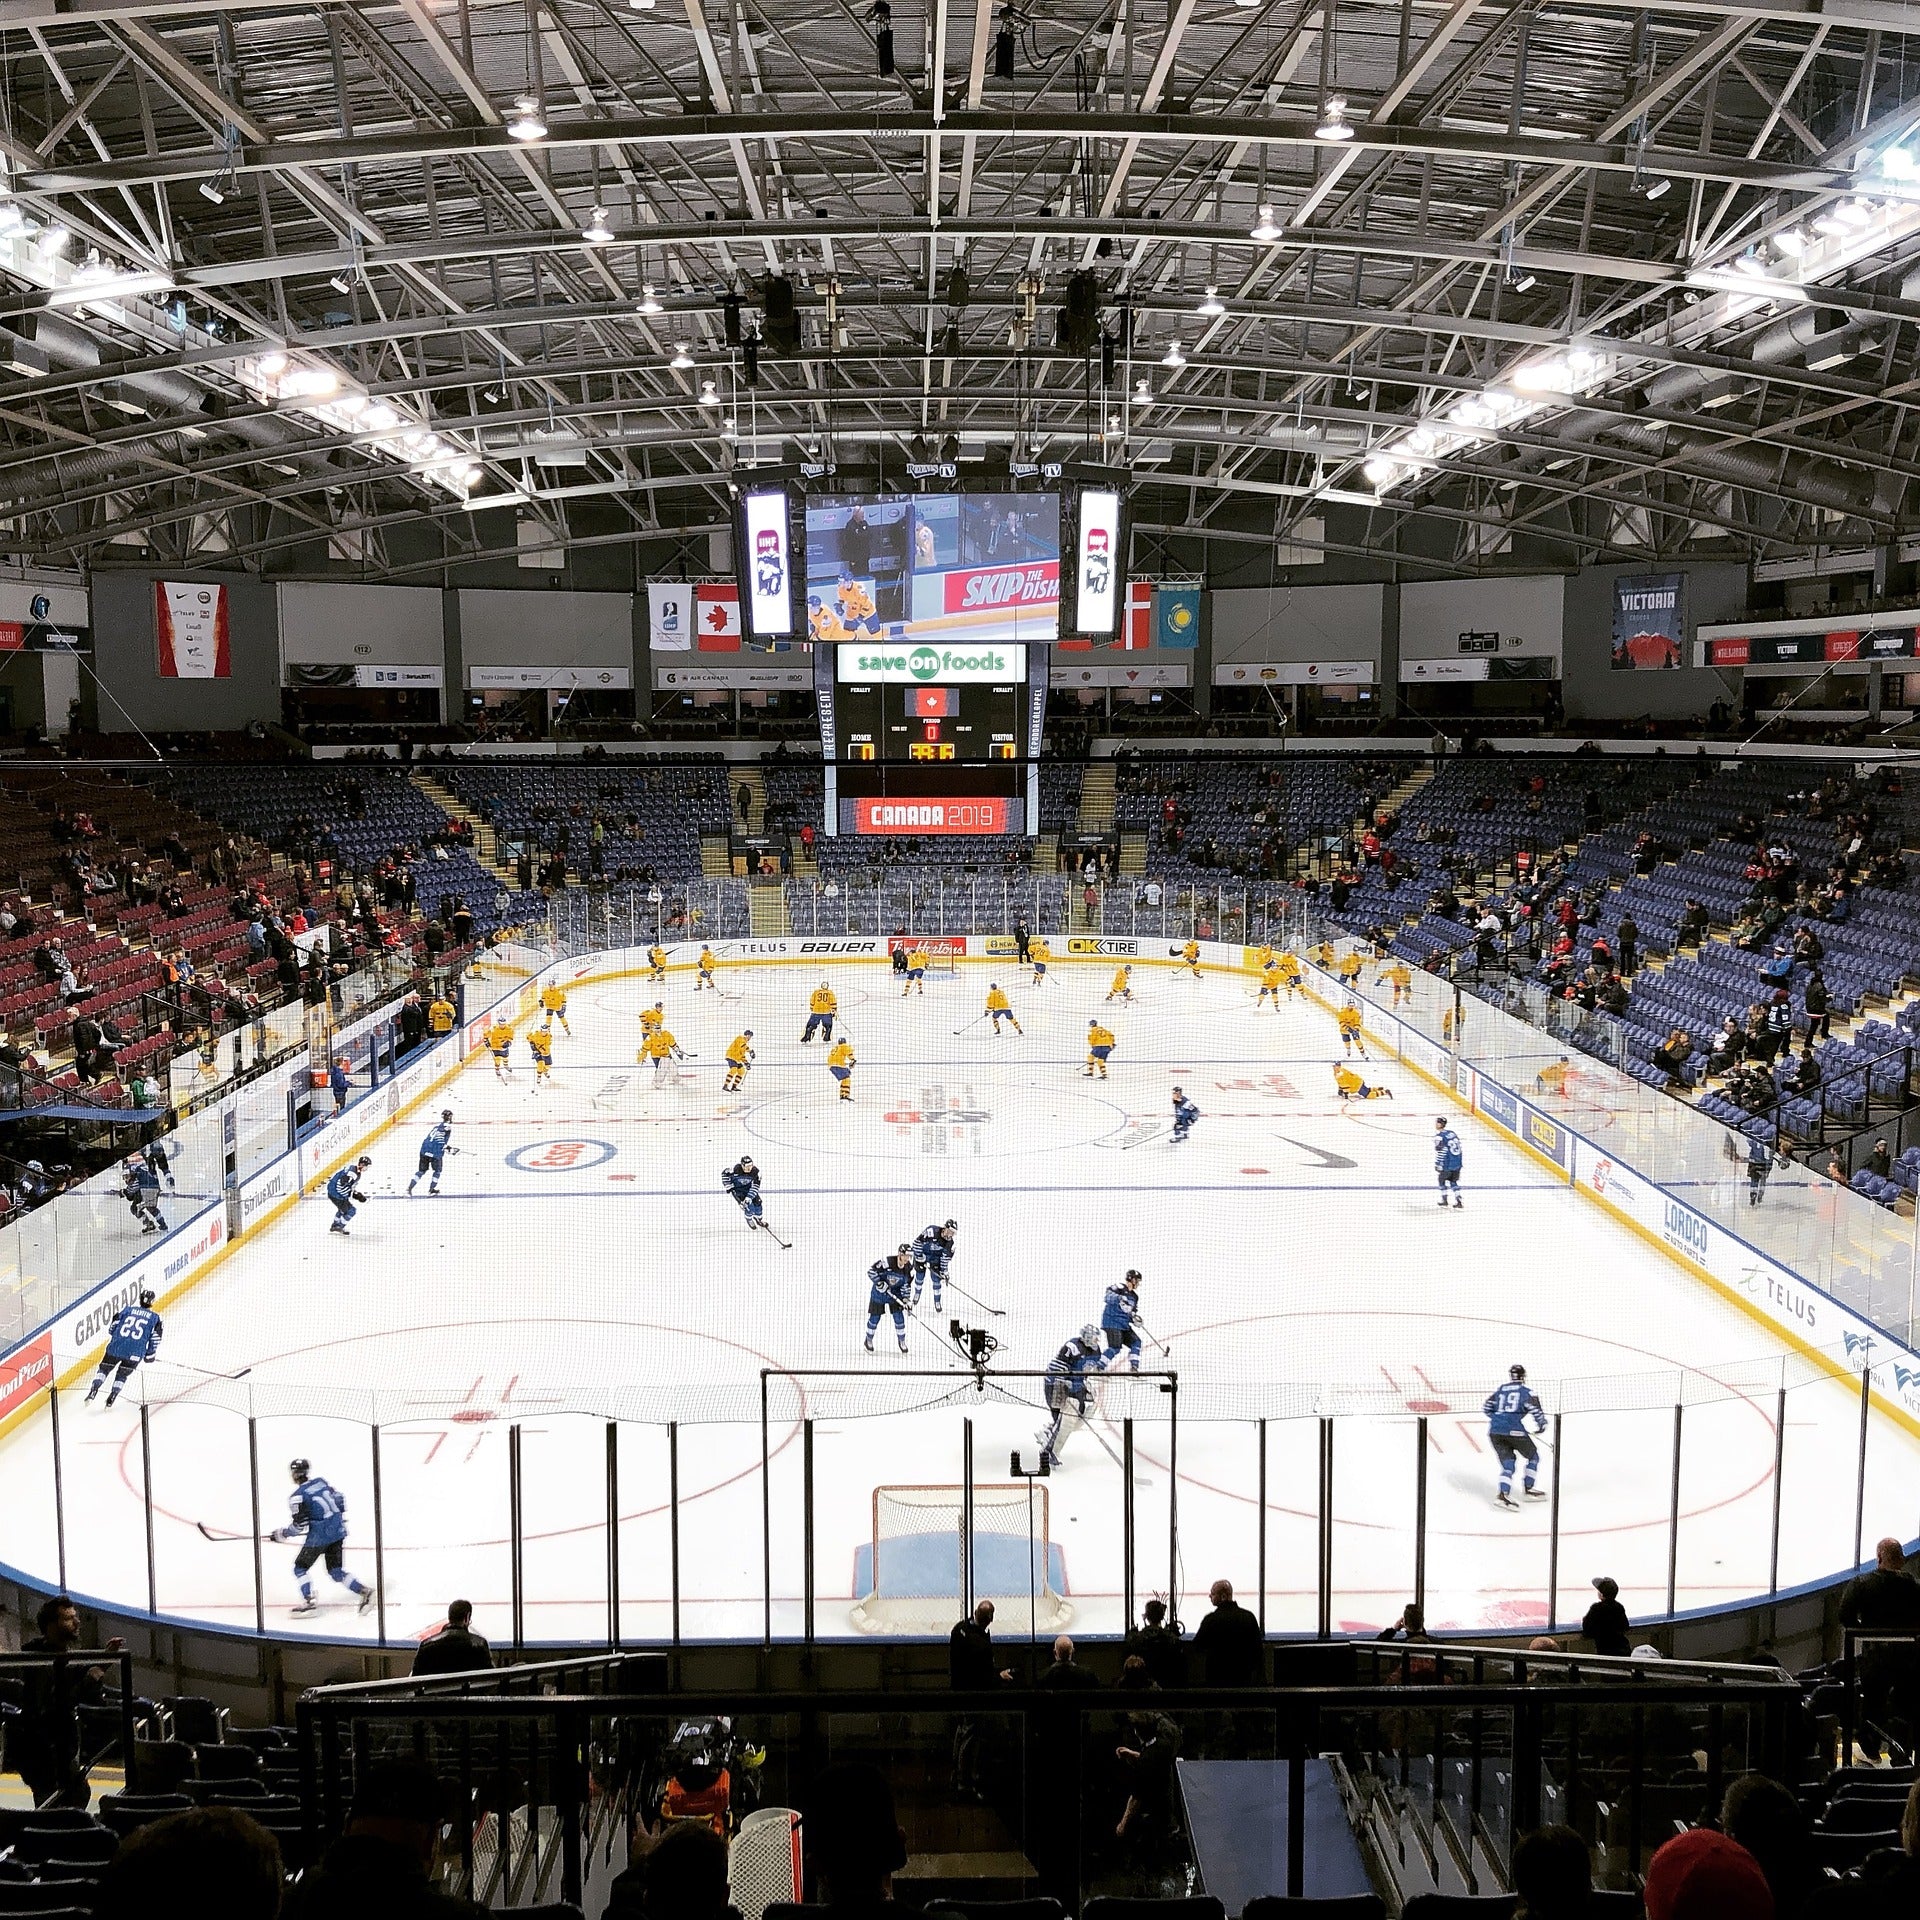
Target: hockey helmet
point(365, 1160)
point(746, 1163)
point(1516, 1372)
point(300, 1469)
point(904, 1247)
point(146, 1296)
point(1090, 1336)
point(1133, 1274)
point(446, 1113)
point(953, 1226)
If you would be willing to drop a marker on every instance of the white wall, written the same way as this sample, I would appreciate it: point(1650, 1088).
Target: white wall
point(342, 623)
point(1528, 614)
point(1257, 624)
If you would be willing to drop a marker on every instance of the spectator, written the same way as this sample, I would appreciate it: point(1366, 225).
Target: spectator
point(854, 1839)
point(1880, 1161)
point(1147, 1765)
point(1702, 1875)
point(1606, 1621)
point(1228, 1642)
point(43, 1744)
point(1819, 1007)
point(1768, 1821)
point(413, 1023)
point(1158, 1646)
point(456, 1648)
point(1552, 1875)
point(1887, 1597)
point(970, 1667)
point(339, 1081)
point(381, 1867)
point(682, 1876)
point(1066, 1673)
point(213, 1860)
point(1671, 1058)
point(1888, 1881)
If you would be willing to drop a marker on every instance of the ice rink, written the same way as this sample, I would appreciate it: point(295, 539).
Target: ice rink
point(583, 1266)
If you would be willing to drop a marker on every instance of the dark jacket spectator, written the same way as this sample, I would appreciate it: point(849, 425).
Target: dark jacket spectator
point(43, 1744)
point(1886, 1597)
point(456, 1648)
point(1606, 1623)
point(1066, 1674)
point(1227, 1644)
point(1552, 1875)
point(970, 1667)
point(853, 1838)
point(1770, 1823)
point(211, 1860)
point(381, 1866)
point(1158, 1645)
point(682, 1876)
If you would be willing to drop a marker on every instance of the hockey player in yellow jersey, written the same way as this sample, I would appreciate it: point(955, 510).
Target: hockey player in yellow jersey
point(824, 622)
point(500, 1044)
point(856, 607)
point(1349, 1086)
point(1323, 955)
point(652, 1019)
point(553, 1002)
point(1122, 988)
point(1399, 977)
point(1350, 966)
point(707, 964)
point(657, 963)
point(1269, 985)
point(540, 1045)
point(1552, 1078)
point(840, 1063)
point(739, 1059)
point(1289, 965)
point(1038, 958)
point(999, 1008)
point(916, 970)
point(1190, 958)
point(1348, 1020)
point(1260, 957)
point(821, 1007)
point(1100, 1045)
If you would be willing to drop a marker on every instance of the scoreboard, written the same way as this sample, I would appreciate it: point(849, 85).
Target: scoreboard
point(930, 724)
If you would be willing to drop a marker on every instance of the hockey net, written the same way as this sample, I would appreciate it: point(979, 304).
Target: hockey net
point(942, 956)
point(912, 1579)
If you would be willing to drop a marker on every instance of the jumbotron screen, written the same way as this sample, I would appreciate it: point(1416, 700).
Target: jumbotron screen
point(934, 567)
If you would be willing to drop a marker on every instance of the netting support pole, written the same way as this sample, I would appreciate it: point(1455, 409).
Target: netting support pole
point(673, 1520)
point(1262, 1536)
point(59, 1484)
point(1173, 1496)
point(613, 1535)
point(1860, 1484)
point(1126, 1515)
point(517, 1534)
point(806, 1530)
point(1780, 1460)
point(379, 1537)
point(766, 1521)
point(146, 1500)
point(1420, 1513)
point(1673, 1512)
point(1326, 1528)
point(1553, 1532)
point(253, 1498)
point(966, 1520)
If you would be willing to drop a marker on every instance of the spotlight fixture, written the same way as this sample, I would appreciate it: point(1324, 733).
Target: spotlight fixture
point(1654, 189)
point(1142, 393)
point(271, 365)
point(527, 123)
point(1003, 45)
point(339, 283)
point(1211, 307)
point(682, 359)
point(596, 233)
point(1792, 241)
point(211, 190)
point(1265, 227)
point(648, 304)
point(709, 394)
point(1173, 357)
point(1334, 124)
point(641, 6)
point(1522, 280)
point(883, 35)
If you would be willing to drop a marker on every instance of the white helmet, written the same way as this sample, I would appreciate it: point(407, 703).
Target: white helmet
point(1090, 1336)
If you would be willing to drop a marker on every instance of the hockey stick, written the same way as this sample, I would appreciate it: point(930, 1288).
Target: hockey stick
point(206, 1373)
point(785, 1246)
point(1107, 1447)
point(999, 1313)
point(1151, 1335)
point(225, 1539)
point(974, 1022)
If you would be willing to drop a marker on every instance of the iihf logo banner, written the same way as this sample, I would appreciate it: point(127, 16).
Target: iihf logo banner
point(669, 616)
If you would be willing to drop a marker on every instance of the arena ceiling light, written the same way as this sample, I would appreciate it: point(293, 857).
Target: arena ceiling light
point(709, 394)
point(596, 233)
point(1334, 124)
point(1657, 189)
point(1211, 308)
point(682, 359)
point(1265, 227)
point(649, 305)
point(1173, 357)
point(1143, 392)
point(527, 122)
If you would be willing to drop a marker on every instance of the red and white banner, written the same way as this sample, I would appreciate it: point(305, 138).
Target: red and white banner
point(930, 816)
point(716, 609)
point(24, 1372)
point(1138, 631)
point(190, 623)
point(1033, 584)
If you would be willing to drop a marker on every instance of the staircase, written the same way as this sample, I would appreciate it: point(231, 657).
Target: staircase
point(716, 856)
point(1407, 788)
point(767, 903)
point(1097, 798)
point(1133, 853)
point(1046, 854)
point(486, 843)
point(747, 774)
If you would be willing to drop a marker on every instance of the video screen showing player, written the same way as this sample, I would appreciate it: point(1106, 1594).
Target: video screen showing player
point(936, 567)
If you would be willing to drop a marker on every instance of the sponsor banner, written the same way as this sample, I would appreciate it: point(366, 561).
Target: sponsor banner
point(930, 816)
point(1476, 668)
point(669, 616)
point(716, 610)
point(44, 620)
point(996, 946)
point(1097, 562)
point(958, 666)
point(268, 1188)
point(728, 678)
point(1064, 673)
point(336, 673)
point(769, 564)
point(1545, 1135)
point(1176, 613)
point(1821, 648)
point(25, 1372)
point(1033, 584)
point(563, 679)
point(953, 943)
point(1649, 621)
point(1497, 1104)
point(1114, 949)
point(1299, 673)
point(190, 631)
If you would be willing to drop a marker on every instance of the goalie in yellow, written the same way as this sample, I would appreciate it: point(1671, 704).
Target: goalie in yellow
point(1122, 988)
point(1100, 1046)
point(540, 1045)
point(1348, 1019)
point(1349, 1086)
point(553, 1002)
point(707, 965)
point(1190, 958)
point(840, 1063)
point(916, 970)
point(821, 1007)
point(1269, 985)
point(657, 963)
point(1399, 977)
point(739, 1059)
point(999, 1008)
point(660, 1046)
point(500, 1045)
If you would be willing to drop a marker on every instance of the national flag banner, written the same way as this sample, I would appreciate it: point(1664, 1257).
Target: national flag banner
point(1137, 629)
point(190, 627)
point(1176, 613)
point(716, 606)
point(669, 616)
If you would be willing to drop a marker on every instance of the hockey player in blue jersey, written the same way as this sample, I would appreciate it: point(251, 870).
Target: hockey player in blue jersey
point(318, 1512)
point(890, 1290)
point(1510, 1410)
point(933, 1254)
point(341, 1190)
point(1446, 1160)
point(433, 1152)
point(1185, 1113)
point(133, 1337)
point(142, 1194)
point(155, 1154)
point(1120, 1320)
point(1068, 1389)
point(742, 1181)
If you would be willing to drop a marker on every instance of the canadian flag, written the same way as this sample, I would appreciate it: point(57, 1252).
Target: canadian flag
point(1138, 630)
point(716, 611)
